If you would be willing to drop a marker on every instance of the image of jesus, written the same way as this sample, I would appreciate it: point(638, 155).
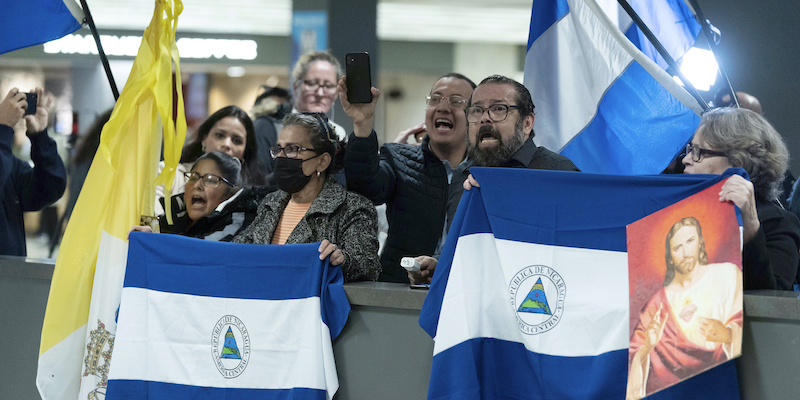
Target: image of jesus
point(694, 322)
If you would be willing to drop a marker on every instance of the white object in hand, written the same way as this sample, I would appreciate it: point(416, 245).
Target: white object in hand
point(410, 264)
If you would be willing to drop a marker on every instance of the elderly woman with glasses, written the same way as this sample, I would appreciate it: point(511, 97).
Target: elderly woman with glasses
point(311, 206)
point(213, 206)
point(735, 137)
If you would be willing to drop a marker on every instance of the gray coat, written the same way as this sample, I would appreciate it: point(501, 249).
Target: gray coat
point(346, 219)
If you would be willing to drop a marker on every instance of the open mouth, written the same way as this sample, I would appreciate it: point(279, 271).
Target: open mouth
point(198, 201)
point(488, 137)
point(442, 124)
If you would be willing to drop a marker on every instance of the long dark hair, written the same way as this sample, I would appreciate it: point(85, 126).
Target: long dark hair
point(91, 140)
point(251, 175)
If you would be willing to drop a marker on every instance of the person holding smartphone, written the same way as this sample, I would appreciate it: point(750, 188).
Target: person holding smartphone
point(26, 188)
point(421, 185)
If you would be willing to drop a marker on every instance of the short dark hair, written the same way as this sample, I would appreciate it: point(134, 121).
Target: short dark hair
point(456, 75)
point(322, 135)
point(229, 166)
point(688, 221)
point(193, 149)
point(522, 98)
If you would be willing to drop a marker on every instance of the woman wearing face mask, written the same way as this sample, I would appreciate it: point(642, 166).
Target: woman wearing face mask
point(736, 137)
point(310, 206)
point(229, 130)
point(213, 207)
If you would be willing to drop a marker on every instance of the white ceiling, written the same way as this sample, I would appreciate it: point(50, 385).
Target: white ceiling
point(505, 21)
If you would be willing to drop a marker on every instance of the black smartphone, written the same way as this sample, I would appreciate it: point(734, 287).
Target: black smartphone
point(32, 99)
point(359, 80)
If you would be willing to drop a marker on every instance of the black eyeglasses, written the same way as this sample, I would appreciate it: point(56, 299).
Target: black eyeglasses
point(209, 180)
point(455, 102)
point(290, 150)
point(313, 86)
point(698, 152)
point(497, 112)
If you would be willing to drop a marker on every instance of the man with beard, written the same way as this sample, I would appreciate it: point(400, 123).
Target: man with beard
point(421, 185)
point(693, 323)
point(500, 117)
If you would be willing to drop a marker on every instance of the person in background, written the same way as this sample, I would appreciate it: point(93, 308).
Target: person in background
point(269, 109)
point(213, 207)
point(314, 80)
point(420, 185)
point(311, 206)
point(228, 130)
point(26, 188)
point(736, 137)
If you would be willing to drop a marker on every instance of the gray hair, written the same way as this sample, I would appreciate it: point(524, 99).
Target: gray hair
point(304, 63)
point(749, 141)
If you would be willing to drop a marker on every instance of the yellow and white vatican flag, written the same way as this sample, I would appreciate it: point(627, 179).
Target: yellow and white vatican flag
point(80, 322)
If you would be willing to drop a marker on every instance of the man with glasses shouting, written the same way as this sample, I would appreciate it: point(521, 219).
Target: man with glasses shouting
point(421, 185)
point(500, 117)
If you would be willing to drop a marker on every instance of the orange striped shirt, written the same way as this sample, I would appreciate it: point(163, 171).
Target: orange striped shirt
point(291, 216)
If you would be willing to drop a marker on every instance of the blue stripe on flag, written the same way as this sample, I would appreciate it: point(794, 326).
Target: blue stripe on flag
point(228, 270)
point(673, 24)
point(564, 218)
point(545, 13)
point(135, 389)
point(556, 377)
point(31, 22)
point(636, 116)
point(231, 270)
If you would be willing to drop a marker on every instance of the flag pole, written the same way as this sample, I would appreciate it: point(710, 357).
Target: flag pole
point(664, 53)
point(712, 45)
point(103, 58)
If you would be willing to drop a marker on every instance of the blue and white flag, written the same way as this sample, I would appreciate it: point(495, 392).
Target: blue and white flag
point(31, 22)
point(213, 320)
point(510, 237)
point(671, 21)
point(599, 100)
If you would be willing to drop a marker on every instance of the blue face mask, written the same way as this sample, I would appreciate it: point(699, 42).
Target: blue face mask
point(289, 174)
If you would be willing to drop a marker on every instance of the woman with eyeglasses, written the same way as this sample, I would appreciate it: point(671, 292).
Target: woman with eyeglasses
point(311, 206)
point(213, 207)
point(228, 130)
point(736, 137)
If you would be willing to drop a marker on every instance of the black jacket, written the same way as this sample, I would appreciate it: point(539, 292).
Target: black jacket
point(770, 259)
point(412, 182)
point(26, 188)
point(220, 225)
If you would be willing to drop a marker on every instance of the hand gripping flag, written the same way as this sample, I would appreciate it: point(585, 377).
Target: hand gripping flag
point(222, 321)
point(506, 237)
point(599, 100)
point(32, 22)
point(87, 280)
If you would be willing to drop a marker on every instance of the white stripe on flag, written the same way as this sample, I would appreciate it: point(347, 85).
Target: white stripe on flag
point(168, 334)
point(596, 296)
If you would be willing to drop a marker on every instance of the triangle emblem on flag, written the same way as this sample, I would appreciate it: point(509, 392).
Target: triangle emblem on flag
point(230, 350)
point(536, 301)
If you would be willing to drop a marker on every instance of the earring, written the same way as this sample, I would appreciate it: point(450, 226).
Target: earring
point(317, 174)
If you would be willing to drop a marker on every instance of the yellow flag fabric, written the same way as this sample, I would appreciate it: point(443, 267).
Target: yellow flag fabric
point(118, 190)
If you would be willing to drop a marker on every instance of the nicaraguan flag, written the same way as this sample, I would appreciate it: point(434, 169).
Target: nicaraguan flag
point(213, 320)
point(31, 22)
point(671, 21)
point(599, 100)
point(510, 236)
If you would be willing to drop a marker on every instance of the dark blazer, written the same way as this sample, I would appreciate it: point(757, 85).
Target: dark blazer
point(344, 218)
point(770, 259)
